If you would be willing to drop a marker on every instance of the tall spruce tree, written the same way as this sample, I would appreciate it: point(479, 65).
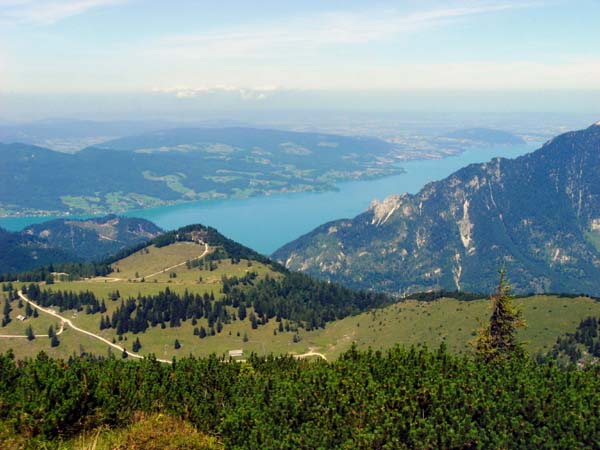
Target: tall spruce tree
point(29, 333)
point(498, 339)
point(136, 345)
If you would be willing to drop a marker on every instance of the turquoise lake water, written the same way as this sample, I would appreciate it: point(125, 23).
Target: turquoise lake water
point(266, 223)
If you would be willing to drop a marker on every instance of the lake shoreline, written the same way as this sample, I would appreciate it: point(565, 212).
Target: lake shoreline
point(265, 223)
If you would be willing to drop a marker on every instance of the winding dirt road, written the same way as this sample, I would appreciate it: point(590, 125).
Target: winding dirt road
point(81, 330)
point(64, 320)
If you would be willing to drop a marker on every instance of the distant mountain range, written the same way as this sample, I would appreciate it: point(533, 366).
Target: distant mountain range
point(72, 135)
point(179, 165)
point(537, 215)
point(488, 136)
point(71, 241)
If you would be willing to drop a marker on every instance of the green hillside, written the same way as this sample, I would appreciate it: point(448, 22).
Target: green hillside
point(452, 322)
point(193, 286)
point(406, 322)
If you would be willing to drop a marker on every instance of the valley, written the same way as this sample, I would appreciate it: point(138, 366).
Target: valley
point(292, 215)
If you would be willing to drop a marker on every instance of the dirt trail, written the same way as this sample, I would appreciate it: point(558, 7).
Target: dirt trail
point(81, 330)
point(176, 265)
point(58, 333)
point(311, 352)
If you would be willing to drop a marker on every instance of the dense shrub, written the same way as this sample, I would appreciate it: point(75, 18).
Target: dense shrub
point(403, 398)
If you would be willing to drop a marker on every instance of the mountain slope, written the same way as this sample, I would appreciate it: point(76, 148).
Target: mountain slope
point(538, 215)
point(64, 240)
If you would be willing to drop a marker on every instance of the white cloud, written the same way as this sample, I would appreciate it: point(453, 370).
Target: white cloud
point(47, 12)
point(245, 93)
point(466, 76)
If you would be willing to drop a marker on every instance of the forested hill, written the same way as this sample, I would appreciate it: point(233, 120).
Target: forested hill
point(479, 136)
point(184, 165)
point(69, 240)
point(240, 138)
point(538, 215)
point(225, 247)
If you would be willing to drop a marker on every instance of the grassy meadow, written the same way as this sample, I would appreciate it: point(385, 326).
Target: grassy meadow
point(405, 322)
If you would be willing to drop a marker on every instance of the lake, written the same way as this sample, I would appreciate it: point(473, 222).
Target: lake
point(266, 223)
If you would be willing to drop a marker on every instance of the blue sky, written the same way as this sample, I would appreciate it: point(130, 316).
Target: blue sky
point(260, 51)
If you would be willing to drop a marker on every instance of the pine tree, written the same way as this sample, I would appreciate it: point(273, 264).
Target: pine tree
point(242, 311)
point(29, 333)
point(498, 339)
point(253, 321)
point(51, 332)
point(136, 345)
point(7, 309)
point(177, 344)
point(54, 342)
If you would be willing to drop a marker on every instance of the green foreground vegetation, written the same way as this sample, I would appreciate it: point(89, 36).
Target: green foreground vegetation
point(402, 398)
point(146, 431)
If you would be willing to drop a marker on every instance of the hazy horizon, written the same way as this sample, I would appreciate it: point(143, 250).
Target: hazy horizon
point(129, 59)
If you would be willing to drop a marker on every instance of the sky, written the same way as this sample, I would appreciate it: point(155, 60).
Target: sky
point(63, 57)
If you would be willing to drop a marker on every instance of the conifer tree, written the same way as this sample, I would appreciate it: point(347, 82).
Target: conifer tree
point(498, 339)
point(29, 333)
point(7, 309)
point(136, 345)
